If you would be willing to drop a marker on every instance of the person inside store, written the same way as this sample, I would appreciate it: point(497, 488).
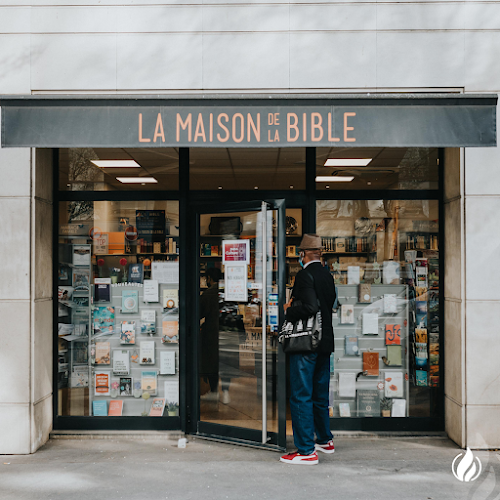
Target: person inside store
point(310, 371)
point(209, 321)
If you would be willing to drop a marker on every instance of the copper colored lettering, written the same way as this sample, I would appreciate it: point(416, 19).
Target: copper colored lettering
point(141, 139)
point(256, 129)
point(290, 125)
point(159, 129)
point(219, 121)
point(186, 124)
point(200, 129)
point(316, 126)
point(330, 138)
point(346, 128)
point(242, 127)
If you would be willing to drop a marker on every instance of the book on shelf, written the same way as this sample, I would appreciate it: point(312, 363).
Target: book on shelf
point(392, 334)
point(102, 353)
point(167, 362)
point(150, 291)
point(393, 384)
point(130, 302)
point(390, 272)
point(347, 385)
point(368, 403)
point(115, 408)
point(340, 245)
point(157, 407)
point(421, 335)
point(421, 378)
point(170, 331)
point(398, 408)
point(135, 273)
point(148, 321)
point(347, 314)
point(370, 363)
point(170, 299)
point(394, 355)
point(171, 388)
point(101, 383)
point(102, 291)
point(79, 376)
point(81, 255)
point(121, 362)
point(81, 280)
point(365, 293)
point(370, 324)
point(126, 386)
point(100, 408)
point(351, 346)
point(104, 319)
point(127, 334)
point(344, 409)
point(147, 352)
point(149, 382)
point(390, 303)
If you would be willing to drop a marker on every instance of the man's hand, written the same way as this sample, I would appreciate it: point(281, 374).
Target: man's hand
point(288, 304)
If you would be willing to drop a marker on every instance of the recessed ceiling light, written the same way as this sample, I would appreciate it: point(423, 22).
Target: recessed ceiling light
point(327, 186)
point(116, 163)
point(256, 187)
point(291, 187)
point(220, 187)
point(347, 162)
point(137, 180)
point(334, 178)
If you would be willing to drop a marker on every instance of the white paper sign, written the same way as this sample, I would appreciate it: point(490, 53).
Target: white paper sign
point(167, 362)
point(398, 408)
point(353, 275)
point(165, 272)
point(172, 391)
point(150, 291)
point(235, 283)
point(390, 304)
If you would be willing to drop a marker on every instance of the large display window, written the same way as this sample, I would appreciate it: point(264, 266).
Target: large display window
point(118, 308)
point(384, 258)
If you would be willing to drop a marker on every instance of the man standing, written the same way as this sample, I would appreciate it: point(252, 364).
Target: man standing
point(310, 371)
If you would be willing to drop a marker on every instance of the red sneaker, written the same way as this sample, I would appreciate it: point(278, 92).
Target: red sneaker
point(298, 459)
point(325, 448)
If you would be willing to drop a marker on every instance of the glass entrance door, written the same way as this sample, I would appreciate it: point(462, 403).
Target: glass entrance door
point(241, 387)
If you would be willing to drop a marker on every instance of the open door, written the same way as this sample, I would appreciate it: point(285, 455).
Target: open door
point(240, 392)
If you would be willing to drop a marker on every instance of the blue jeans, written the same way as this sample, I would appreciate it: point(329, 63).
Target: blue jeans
point(310, 385)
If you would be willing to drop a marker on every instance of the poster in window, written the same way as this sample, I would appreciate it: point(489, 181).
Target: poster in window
point(235, 283)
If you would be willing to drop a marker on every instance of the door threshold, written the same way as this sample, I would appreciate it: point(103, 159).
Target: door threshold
point(240, 442)
point(109, 434)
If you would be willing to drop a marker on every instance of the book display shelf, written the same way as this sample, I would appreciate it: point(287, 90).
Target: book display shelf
point(118, 320)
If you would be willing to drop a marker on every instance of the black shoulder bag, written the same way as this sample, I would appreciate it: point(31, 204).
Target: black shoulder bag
point(304, 335)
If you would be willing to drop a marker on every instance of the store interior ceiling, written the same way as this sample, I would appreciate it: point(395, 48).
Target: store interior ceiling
point(249, 168)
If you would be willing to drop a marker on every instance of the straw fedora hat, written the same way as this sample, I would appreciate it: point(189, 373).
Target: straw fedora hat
point(311, 242)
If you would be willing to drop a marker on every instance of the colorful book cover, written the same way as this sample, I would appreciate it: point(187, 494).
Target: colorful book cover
point(102, 353)
point(104, 319)
point(371, 363)
point(115, 408)
point(347, 314)
point(148, 321)
point(121, 362)
point(147, 355)
point(101, 383)
point(170, 299)
point(99, 408)
point(126, 385)
point(421, 378)
point(392, 334)
point(135, 273)
point(81, 280)
point(421, 335)
point(102, 292)
point(351, 346)
point(368, 403)
point(157, 407)
point(81, 255)
point(332, 363)
point(127, 335)
point(149, 382)
point(365, 293)
point(130, 301)
point(394, 387)
point(170, 332)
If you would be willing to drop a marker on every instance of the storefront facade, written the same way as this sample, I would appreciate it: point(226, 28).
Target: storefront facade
point(138, 254)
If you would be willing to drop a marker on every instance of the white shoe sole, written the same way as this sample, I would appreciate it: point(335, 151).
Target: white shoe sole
point(329, 452)
point(301, 462)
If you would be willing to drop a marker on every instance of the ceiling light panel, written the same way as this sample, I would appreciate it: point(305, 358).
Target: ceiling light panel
point(116, 163)
point(347, 162)
point(334, 178)
point(137, 180)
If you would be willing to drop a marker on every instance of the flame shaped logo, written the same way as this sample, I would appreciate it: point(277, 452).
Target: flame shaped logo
point(466, 470)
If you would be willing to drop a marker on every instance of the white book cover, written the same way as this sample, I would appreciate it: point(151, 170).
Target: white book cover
point(167, 363)
point(150, 290)
point(147, 355)
point(172, 392)
point(393, 384)
point(344, 409)
point(347, 385)
point(121, 362)
point(390, 303)
point(347, 314)
point(390, 272)
point(81, 255)
point(370, 324)
point(353, 275)
point(398, 408)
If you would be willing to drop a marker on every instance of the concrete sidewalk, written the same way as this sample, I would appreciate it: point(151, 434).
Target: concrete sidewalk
point(154, 468)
